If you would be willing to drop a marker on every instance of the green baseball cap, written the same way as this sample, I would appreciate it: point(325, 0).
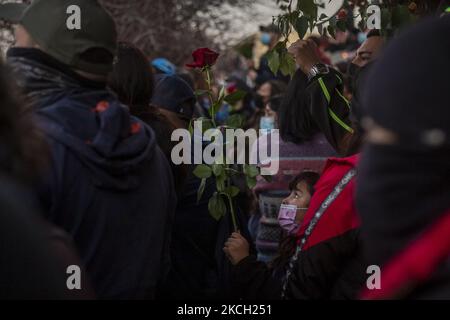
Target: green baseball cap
point(49, 22)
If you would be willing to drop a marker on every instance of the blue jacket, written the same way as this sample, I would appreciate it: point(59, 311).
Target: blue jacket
point(111, 188)
point(108, 183)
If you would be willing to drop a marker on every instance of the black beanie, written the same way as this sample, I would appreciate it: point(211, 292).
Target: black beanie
point(408, 91)
point(174, 94)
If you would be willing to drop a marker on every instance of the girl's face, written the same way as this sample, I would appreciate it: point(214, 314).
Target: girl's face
point(265, 91)
point(299, 197)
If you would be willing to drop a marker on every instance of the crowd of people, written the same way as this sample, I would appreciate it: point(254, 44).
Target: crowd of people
point(87, 178)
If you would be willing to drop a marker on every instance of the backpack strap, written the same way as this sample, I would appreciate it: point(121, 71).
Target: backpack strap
point(323, 207)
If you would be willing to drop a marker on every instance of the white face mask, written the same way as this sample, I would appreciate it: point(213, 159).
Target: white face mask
point(287, 216)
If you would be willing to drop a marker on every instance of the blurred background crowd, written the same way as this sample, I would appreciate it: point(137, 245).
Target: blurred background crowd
point(86, 155)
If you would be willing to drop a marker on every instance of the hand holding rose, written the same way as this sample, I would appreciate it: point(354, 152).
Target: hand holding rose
point(305, 54)
point(236, 248)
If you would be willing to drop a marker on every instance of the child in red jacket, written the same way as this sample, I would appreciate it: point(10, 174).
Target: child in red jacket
point(327, 262)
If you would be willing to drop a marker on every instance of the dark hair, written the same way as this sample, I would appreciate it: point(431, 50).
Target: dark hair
point(277, 87)
point(132, 77)
point(277, 90)
point(294, 118)
point(309, 176)
point(373, 33)
point(132, 80)
point(275, 102)
point(163, 129)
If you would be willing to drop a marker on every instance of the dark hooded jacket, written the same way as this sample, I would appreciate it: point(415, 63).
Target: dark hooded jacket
point(403, 194)
point(109, 185)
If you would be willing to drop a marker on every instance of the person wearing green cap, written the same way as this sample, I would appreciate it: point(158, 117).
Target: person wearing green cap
point(108, 185)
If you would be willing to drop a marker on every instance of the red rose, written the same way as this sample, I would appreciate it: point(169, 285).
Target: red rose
point(203, 57)
point(342, 15)
point(231, 88)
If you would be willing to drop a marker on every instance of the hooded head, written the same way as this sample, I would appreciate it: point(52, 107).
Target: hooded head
point(404, 176)
point(174, 95)
point(51, 61)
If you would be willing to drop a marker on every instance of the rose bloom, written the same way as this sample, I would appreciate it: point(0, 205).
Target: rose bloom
point(203, 57)
point(231, 88)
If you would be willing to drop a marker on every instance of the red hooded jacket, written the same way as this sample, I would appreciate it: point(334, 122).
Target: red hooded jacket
point(330, 264)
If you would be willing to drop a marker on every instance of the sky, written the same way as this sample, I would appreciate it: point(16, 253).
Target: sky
point(245, 21)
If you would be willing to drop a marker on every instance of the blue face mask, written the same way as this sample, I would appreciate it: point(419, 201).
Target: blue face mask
point(361, 37)
point(267, 123)
point(265, 38)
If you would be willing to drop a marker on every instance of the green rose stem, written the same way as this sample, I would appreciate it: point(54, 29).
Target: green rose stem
point(206, 70)
point(208, 82)
point(230, 201)
point(232, 170)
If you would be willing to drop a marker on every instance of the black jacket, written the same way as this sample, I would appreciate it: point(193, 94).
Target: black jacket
point(332, 269)
point(199, 267)
point(330, 109)
point(329, 270)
